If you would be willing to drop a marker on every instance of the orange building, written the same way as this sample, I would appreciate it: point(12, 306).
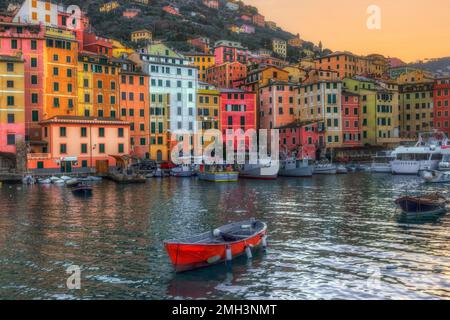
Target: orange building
point(346, 63)
point(135, 106)
point(203, 61)
point(226, 75)
point(262, 75)
point(60, 73)
point(98, 81)
point(79, 144)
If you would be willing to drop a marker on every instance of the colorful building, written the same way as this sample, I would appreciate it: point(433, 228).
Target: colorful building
point(119, 50)
point(12, 102)
point(442, 105)
point(212, 4)
point(208, 107)
point(60, 73)
point(229, 51)
point(37, 11)
point(416, 101)
point(237, 110)
point(346, 63)
point(351, 126)
point(259, 20)
point(80, 144)
point(226, 75)
point(201, 44)
point(98, 86)
point(379, 110)
point(28, 41)
point(141, 35)
point(279, 47)
point(262, 74)
point(135, 106)
point(202, 61)
point(295, 42)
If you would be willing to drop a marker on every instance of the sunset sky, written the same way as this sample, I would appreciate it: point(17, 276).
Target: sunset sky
point(410, 29)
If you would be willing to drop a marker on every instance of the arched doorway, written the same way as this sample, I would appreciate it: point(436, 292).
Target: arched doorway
point(159, 156)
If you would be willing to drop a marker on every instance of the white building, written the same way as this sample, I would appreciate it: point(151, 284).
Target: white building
point(36, 11)
point(171, 73)
point(279, 47)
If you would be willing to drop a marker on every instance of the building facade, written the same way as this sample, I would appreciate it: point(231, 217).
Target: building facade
point(442, 105)
point(226, 75)
point(229, 51)
point(202, 61)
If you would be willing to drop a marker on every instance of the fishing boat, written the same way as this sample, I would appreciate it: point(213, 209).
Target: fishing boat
point(218, 246)
point(293, 167)
point(182, 171)
point(422, 206)
point(435, 176)
point(217, 174)
point(381, 162)
point(425, 155)
point(82, 190)
point(266, 169)
point(325, 167)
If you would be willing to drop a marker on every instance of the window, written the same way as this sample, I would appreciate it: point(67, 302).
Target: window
point(120, 133)
point(101, 132)
point(62, 131)
point(10, 67)
point(11, 118)
point(33, 62)
point(63, 148)
point(121, 148)
point(11, 139)
point(84, 132)
point(83, 148)
point(10, 84)
point(10, 100)
point(33, 45)
point(35, 115)
point(13, 44)
point(101, 148)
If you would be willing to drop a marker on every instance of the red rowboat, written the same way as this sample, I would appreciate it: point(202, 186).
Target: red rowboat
point(222, 244)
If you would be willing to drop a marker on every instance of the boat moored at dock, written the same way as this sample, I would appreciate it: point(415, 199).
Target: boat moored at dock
point(266, 169)
point(381, 162)
point(325, 167)
point(422, 206)
point(292, 167)
point(215, 247)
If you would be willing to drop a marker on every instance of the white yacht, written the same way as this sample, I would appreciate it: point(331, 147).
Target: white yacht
point(293, 167)
point(266, 169)
point(444, 165)
point(425, 155)
point(382, 162)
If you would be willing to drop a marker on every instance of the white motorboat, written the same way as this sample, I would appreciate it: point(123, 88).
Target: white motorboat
point(425, 155)
point(382, 162)
point(435, 176)
point(58, 182)
point(296, 168)
point(65, 178)
point(325, 167)
point(44, 181)
point(266, 169)
point(444, 165)
point(29, 180)
point(183, 170)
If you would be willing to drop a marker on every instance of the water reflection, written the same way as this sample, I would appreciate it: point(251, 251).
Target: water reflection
point(329, 237)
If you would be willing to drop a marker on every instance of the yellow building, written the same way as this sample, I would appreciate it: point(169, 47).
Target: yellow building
point(109, 6)
point(203, 61)
point(119, 50)
point(379, 110)
point(296, 73)
point(208, 104)
point(295, 42)
point(12, 103)
point(159, 126)
point(141, 35)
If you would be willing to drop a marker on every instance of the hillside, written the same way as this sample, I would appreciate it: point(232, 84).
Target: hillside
point(441, 66)
point(177, 29)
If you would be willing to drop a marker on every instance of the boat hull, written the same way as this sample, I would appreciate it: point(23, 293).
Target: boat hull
point(297, 172)
point(82, 191)
point(219, 176)
point(418, 207)
point(325, 170)
point(381, 168)
point(412, 167)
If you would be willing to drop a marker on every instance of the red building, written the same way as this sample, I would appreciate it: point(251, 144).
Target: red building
point(351, 127)
point(96, 44)
point(227, 75)
point(259, 20)
point(301, 140)
point(441, 104)
point(237, 110)
point(229, 51)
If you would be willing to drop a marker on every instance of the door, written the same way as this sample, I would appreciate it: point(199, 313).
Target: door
point(159, 156)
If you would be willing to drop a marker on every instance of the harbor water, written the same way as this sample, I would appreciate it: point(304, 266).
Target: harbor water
point(330, 237)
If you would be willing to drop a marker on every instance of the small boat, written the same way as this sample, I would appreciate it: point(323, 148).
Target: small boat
point(59, 182)
point(82, 190)
point(381, 162)
point(73, 182)
point(94, 179)
point(214, 247)
point(325, 168)
point(422, 206)
point(28, 180)
point(218, 176)
point(182, 171)
point(434, 176)
point(53, 179)
point(65, 178)
point(266, 169)
point(341, 169)
point(44, 181)
point(296, 168)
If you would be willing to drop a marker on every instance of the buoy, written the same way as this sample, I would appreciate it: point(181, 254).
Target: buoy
point(229, 255)
point(264, 241)
point(248, 251)
point(217, 233)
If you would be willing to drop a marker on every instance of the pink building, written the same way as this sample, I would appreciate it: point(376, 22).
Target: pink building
point(245, 28)
point(213, 4)
point(172, 10)
point(246, 18)
point(351, 127)
point(237, 110)
point(131, 13)
point(229, 51)
point(28, 40)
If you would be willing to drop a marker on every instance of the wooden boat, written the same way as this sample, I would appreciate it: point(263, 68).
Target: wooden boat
point(422, 206)
point(82, 190)
point(222, 244)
